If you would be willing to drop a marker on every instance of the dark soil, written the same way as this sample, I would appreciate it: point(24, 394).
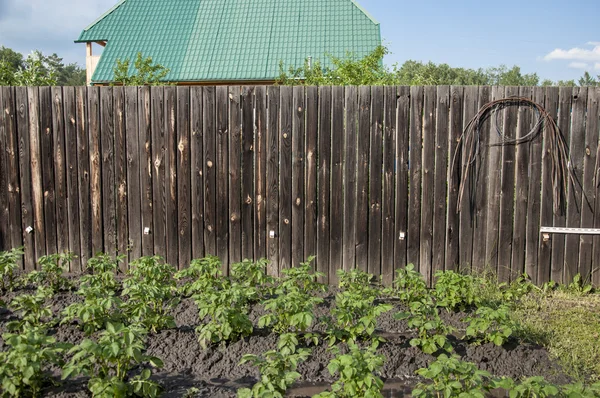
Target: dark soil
point(216, 372)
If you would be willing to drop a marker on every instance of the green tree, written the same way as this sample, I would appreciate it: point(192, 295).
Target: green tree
point(36, 71)
point(13, 58)
point(145, 72)
point(587, 80)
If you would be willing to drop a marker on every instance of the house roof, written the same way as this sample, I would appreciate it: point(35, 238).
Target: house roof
point(216, 40)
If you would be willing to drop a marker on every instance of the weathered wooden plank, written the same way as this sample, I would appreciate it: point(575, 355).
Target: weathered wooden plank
point(60, 178)
point(222, 165)
point(349, 153)
point(273, 180)
point(521, 190)
point(183, 177)
point(596, 246)
point(337, 183)
point(135, 169)
point(107, 145)
point(83, 166)
point(375, 183)
point(235, 174)
point(324, 159)
point(285, 177)
point(159, 184)
point(574, 196)
point(440, 201)
point(25, 167)
point(452, 258)
point(586, 262)
point(310, 208)
point(35, 157)
point(402, 176)
point(5, 238)
point(546, 217)
point(248, 197)
point(414, 164)
point(47, 150)
point(427, 181)
point(298, 162)
point(7, 108)
point(492, 183)
point(507, 191)
point(95, 170)
point(197, 164)
point(210, 182)
point(532, 232)
point(121, 175)
point(146, 168)
point(172, 235)
point(479, 259)
point(362, 178)
point(260, 172)
point(565, 96)
point(389, 181)
point(72, 175)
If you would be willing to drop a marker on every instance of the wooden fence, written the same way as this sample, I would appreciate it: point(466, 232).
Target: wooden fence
point(358, 176)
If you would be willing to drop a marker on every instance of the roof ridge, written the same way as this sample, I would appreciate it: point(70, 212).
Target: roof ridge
point(101, 17)
point(372, 18)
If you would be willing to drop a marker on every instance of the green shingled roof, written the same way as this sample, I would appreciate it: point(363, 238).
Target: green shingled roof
point(216, 40)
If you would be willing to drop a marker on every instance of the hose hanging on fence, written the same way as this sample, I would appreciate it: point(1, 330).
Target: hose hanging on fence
point(469, 144)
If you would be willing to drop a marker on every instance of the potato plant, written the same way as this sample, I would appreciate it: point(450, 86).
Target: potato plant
point(108, 363)
point(51, 272)
point(356, 372)
point(491, 325)
point(431, 330)
point(32, 309)
point(99, 306)
point(9, 262)
point(103, 270)
point(253, 274)
point(455, 291)
point(408, 285)
point(203, 274)
point(24, 364)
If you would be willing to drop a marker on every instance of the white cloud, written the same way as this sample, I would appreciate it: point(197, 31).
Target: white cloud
point(578, 65)
point(576, 53)
point(593, 43)
point(597, 66)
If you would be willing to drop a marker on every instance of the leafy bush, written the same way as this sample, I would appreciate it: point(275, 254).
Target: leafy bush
point(228, 312)
point(356, 374)
point(490, 325)
point(51, 274)
point(301, 279)
point(9, 262)
point(24, 364)
point(253, 274)
point(277, 369)
point(431, 330)
point(409, 285)
point(535, 386)
point(34, 314)
point(108, 362)
point(145, 72)
point(451, 377)
point(456, 292)
point(103, 270)
point(203, 274)
point(100, 306)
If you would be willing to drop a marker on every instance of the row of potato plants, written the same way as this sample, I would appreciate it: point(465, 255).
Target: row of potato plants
point(122, 313)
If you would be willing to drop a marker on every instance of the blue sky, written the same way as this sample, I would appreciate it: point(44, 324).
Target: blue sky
point(556, 39)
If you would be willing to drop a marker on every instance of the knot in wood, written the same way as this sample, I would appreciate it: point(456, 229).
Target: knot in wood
point(209, 227)
point(248, 200)
point(6, 111)
point(286, 221)
point(72, 120)
point(233, 217)
point(285, 135)
point(587, 151)
point(209, 164)
point(298, 201)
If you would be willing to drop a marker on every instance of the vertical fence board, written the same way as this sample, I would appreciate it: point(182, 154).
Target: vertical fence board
point(545, 272)
point(298, 184)
point(534, 174)
point(234, 172)
point(7, 108)
point(146, 169)
point(95, 169)
point(159, 183)
point(197, 177)
point(402, 176)
point(375, 183)
point(440, 192)
point(170, 116)
point(84, 178)
point(248, 197)
point(594, 112)
point(586, 261)
point(107, 153)
point(310, 216)
point(574, 195)
point(389, 180)
point(121, 175)
point(507, 191)
point(324, 159)
point(48, 179)
point(479, 259)
point(25, 167)
point(260, 164)
point(337, 182)
point(37, 190)
point(72, 176)
point(183, 177)
point(351, 117)
point(285, 178)
point(522, 162)
point(273, 179)
point(5, 240)
point(222, 170)
point(210, 182)
point(135, 170)
point(414, 163)
point(453, 177)
point(362, 178)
